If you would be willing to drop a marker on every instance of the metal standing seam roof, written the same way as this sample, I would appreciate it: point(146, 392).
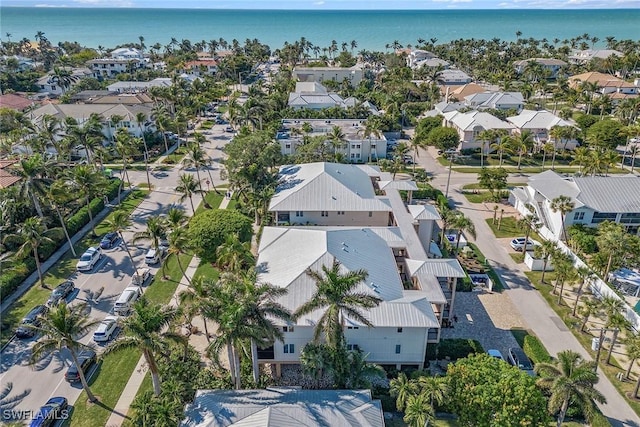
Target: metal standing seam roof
point(83, 111)
point(424, 212)
point(326, 187)
point(285, 406)
point(551, 185)
point(472, 119)
point(285, 254)
point(609, 193)
point(543, 119)
point(398, 185)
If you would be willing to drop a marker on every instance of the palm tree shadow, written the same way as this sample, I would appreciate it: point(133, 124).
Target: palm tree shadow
point(8, 402)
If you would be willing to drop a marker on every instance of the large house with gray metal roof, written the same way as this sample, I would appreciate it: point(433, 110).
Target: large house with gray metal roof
point(283, 406)
point(354, 215)
point(540, 123)
point(596, 199)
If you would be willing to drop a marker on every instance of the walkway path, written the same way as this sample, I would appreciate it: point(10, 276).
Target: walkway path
point(532, 311)
point(199, 341)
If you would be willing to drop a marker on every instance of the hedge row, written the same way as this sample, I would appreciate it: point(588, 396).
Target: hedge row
point(454, 349)
point(12, 278)
point(534, 349)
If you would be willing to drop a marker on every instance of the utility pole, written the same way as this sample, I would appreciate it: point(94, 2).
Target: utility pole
point(450, 155)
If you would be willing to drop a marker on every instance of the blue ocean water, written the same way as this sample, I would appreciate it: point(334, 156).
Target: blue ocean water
point(371, 30)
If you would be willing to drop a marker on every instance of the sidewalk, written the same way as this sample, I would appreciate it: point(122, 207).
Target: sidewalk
point(130, 391)
point(32, 279)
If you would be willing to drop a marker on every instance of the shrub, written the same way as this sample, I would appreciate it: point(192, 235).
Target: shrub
point(534, 349)
point(599, 420)
point(209, 230)
point(454, 349)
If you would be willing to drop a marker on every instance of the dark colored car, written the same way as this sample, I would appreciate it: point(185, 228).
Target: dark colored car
point(31, 320)
point(86, 359)
point(519, 359)
point(55, 409)
point(108, 240)
point(60, 292)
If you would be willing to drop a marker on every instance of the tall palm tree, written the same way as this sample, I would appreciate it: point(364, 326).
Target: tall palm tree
point(34, 173)
point(87, 134)
point(62, 327)
point(590, 307)
point(58, 194)
point(336, 138)
point(402, 388)
point(564, 205)
point(522, 144)
point(179, 244)
point(87, 182)
point(118, 223)
point(155, 231)
point(632, 346)
point(570, 379)
point(196, 299)
point(462, 223)
point(234, 254)
point(584, 275)
point(487, 135)
point(529, 223)
point(187, 187)
point(148, 329)
point(565, 272)
point(502, 144)
point(124, 146)
point(435, 388)
point(175, 218)
point(31, 234)
point(544, 252)
point(141, 119)
point(336, 294)
point(197, 158)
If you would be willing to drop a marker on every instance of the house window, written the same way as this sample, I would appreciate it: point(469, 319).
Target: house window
point(289, 349)
point(324, 213)
point(399, 330)
point(353, 327)
point(299, 213)
point(599, 217)
point(340, 212)
point(354, 347)
point(53, 88)
point(370, 214)
point(287, 329)
point(287, 145)
point(578, 216)
point(398, 348)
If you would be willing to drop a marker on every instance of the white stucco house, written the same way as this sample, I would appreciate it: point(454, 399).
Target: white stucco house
point(110, 67)
point(356, 147)
point(453, 77)
point(53, 85)
point(314, 96)
point(471, 124)
point(596, 199)
point(551, 66)
point(353, 75)
point(126, 53)
point(540, 123)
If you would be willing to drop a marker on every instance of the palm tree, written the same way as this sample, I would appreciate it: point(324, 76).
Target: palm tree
point(175, 218)
point(89, 134)
point(58, 194)
point(529, 223)
point(179, 244)
point(564, 205)
point(632, 346)
point(402, 388)
point(10, 402)
point(234, 254)
point(148, 329)
point(569, 379)
point(435, 388)
point(522, 143)
point(34, 182)
point(462, 224)
point(581, 157)
point(141, 119)
point(336, 294)
point(487, 135)
point(118, 223)
point(616, 322)
point(502, 144)
point(418, 412)
point(585, 275)
point(589, 308)
point(197, 158)
point(415, 145)
point(86, 180)
point(156, 230)
point(31, 234)
point(62, 327)
point(196, 300)
point(187, 187)
point(563, 267)
point(336, 138)
point(126, 149)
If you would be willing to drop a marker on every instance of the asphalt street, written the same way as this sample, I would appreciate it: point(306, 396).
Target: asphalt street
point(100, 288)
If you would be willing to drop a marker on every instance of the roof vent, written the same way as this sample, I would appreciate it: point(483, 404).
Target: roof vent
point(333, 198)
point(344, 249)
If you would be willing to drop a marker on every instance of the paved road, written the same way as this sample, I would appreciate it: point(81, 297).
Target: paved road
point(113, 273)
point(533, 309)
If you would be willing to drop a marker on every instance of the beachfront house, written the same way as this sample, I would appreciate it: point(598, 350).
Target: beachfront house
point(596, 199)
point(471, 124)
point(549, 67)
point(135, 86)
point(314, 96)
point(109, 68)
point(489, 100)
point(582, 57)
point(540, 123)
point(352, 75)
point(356, 146)
point(201, 67)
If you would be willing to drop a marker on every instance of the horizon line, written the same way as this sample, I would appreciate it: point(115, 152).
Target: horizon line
point(315, 9)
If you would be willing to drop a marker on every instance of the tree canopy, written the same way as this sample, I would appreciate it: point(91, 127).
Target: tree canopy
point(210, 229)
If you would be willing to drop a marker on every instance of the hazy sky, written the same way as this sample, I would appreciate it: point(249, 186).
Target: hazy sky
point(336, 4)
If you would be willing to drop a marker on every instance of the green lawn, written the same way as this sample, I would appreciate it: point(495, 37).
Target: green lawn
point(477, 186)
point(159, 290)
point(517, 257)
point(564, 312)
point(213, 199)
point(479, 197)
point(519, 335)
point(497, 284)
point(207, 270)
point(114, 373)
point(176, 156)
point(509, 228)
point(64, 268)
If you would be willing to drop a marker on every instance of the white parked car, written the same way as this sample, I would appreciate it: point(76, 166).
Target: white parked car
point(106, 329)
point(126, 300)
point(518, 244)
point(89, 259)
point(140, 278)
point(153, 257)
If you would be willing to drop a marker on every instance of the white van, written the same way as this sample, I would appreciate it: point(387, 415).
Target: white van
point(126, 300)
point(153, 256)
